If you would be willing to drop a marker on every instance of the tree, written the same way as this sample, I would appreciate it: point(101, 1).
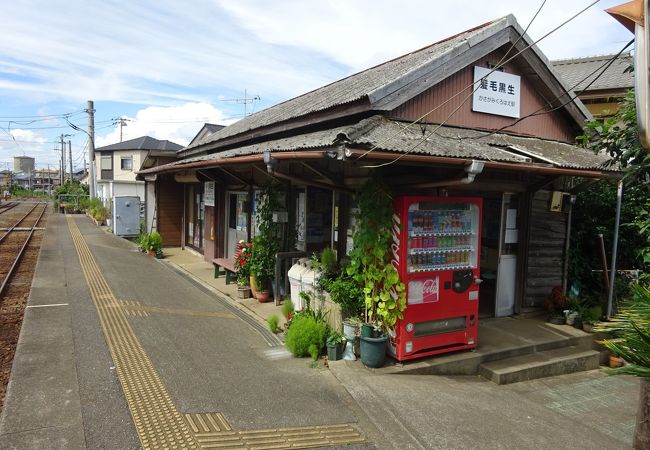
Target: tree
point(631, 326)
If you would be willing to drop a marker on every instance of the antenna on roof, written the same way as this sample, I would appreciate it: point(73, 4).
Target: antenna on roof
point(245, 101)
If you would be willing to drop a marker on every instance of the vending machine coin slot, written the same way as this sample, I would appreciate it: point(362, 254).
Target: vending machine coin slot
point(462, 279)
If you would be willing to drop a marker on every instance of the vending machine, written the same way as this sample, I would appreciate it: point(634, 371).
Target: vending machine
point(436, 244)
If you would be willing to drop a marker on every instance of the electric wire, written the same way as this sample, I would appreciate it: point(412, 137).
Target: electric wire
point(496, 67)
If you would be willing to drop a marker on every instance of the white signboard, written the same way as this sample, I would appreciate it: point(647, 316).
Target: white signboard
point(208, 193)
point(497, 93)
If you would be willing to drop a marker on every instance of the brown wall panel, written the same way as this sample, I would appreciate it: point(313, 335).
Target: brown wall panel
point(554, 125)
point(169, 196)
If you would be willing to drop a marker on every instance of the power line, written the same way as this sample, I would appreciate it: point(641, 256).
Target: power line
point(44, 117)
point(496, 67)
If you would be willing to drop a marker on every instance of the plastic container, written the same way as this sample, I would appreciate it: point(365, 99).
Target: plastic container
point(295, 283)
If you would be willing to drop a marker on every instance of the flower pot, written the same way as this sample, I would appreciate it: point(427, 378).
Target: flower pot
point(334, 352)
point(571, 317)
point(262, 296)
point(577, 323)
point(243, 292)
point(350, 330)
point(373, 350)
point(151, 253)
point(587, 327)
point(367, 330)
point(616, 361)
point(557, 319)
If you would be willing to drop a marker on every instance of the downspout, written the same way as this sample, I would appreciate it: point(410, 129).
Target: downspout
point(567, 244)
point(472, 169)
point(619, 200)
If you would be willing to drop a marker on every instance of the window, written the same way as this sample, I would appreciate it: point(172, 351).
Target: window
point(107, 162)
point(126, 163)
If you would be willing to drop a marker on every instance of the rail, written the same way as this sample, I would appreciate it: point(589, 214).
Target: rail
point(10, 272)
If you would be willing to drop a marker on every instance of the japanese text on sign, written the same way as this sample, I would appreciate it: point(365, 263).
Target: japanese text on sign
point(496, 93)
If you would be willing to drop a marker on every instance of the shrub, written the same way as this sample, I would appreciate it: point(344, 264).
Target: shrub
point(287, 309)
point(306, 332)
point(273, 321)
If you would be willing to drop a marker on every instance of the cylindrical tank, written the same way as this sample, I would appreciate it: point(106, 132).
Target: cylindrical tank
point(24, 164)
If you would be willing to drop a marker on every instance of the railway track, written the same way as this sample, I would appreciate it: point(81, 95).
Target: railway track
point(15, 241)
point(20, 235)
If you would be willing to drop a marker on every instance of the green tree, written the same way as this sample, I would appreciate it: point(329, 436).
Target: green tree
point(631, 326)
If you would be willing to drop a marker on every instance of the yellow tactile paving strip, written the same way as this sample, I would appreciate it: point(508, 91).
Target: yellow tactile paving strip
point(158, 423)
point(156, 420)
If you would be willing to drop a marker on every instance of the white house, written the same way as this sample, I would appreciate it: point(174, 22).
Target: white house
point(117, 165)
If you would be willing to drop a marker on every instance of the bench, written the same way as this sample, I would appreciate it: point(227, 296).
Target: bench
point(228, 266)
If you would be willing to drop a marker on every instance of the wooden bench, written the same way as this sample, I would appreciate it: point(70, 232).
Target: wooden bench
point(228, 266)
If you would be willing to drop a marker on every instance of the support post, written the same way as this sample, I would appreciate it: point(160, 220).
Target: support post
point(619, 200)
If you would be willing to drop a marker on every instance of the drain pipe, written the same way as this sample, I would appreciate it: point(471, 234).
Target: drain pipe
point(472, 169)
point(619, 200)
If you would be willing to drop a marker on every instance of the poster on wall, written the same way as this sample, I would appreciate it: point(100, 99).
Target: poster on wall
point(497, 92)
point(208, 193)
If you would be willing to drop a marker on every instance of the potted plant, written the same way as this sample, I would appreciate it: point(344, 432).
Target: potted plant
point(590, 316)
point(243, 255)
point(262, 267)
point(370, 266)
point(151, 243)
point(335, 346)
point(265, 245)
point(556, 304)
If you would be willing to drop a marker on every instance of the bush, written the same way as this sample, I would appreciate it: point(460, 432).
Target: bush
point(346, 293)
point(306, 336)
point(273, 321)
point(287, 309)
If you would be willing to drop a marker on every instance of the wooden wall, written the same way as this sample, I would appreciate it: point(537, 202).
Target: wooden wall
point(458, 111)
point(545, 251)
point(169, 198)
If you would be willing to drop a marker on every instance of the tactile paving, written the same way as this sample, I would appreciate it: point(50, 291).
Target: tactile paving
point(158, 423)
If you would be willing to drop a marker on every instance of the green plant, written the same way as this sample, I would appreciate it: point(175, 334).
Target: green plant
point(345, 292)
point(328, 262)
point(150, 242)
point(591, 314)
point(243, 257)
point(370, 266)
point(287, 309)
point(265, 245)
point(631, 329)
point(317, 313)
point(272, 322)
point(335, 338)
point(306, 335)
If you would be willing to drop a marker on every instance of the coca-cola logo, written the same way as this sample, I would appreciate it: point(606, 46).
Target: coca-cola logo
point(430, 290)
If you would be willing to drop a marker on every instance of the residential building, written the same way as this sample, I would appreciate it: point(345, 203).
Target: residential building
point(117, 165)
point(599, 85)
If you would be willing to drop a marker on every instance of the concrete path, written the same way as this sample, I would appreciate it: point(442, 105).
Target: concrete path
point(136, 354)
point(119, 351)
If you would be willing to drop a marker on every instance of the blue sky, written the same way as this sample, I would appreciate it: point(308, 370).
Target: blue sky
point(170, 66)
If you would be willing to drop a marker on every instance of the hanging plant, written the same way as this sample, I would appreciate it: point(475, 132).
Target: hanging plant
point(370, 265)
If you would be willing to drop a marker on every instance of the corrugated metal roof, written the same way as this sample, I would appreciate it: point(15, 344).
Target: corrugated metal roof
point(142, 143)
point(394, 136)
point(575, 69)
point(354, 87)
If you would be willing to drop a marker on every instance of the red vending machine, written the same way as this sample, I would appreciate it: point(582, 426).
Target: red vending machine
point(436, 243)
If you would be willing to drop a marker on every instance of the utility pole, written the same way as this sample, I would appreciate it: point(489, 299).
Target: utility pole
point(70, 158)
point(122, 122)
point(91, 146)
point(62, 165)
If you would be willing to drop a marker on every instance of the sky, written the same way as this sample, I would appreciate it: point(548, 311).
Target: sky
point(169, 66)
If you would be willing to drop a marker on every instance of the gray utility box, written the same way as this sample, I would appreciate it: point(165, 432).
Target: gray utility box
point(126, 215)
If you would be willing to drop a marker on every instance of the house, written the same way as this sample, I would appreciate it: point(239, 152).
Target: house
point(600, 92)
point(5, 178)
point(426, 121)
point(118, 163)
point(45, 180)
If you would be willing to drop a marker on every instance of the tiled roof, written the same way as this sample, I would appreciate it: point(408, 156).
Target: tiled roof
point(142, 143)
point(394, 136)
point(578, 72)
point(354, 87)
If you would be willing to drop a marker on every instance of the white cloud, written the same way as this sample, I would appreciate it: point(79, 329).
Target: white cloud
point(178, 124)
